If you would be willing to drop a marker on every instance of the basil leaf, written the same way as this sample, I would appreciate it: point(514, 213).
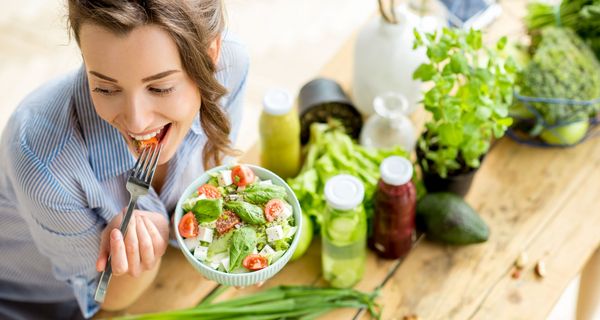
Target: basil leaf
point(243, 242)
point(248, 212)
point(260, 194)
point(208, 210)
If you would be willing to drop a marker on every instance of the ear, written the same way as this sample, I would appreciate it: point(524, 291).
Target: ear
point(214, 50)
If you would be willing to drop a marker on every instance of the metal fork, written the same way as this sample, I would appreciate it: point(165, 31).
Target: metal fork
point(138, 183)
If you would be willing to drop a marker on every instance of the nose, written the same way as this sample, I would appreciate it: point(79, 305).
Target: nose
point(137, 113)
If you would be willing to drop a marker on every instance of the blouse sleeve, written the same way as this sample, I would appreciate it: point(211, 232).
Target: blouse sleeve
point(63, 227)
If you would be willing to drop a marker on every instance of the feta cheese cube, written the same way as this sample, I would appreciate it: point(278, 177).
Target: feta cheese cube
point(267, 250)
point(200, 252)
point(191, 243)
point(200, 197)
point(255, 251)
point(225, 178)
point(266, 182)
point(286, 213)
point(274, 233)
point(205, 234)
point(216, 260)
point(225, 263)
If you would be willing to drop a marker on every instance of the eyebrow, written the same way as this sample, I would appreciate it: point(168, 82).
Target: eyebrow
point(147, 79)
point(101, 76)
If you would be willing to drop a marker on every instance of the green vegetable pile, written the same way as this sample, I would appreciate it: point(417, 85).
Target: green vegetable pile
point(583, 16)
point(283, 302)
point(561, 67)
point(330, 151)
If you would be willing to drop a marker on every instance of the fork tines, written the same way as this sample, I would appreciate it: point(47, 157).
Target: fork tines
point(146, 163)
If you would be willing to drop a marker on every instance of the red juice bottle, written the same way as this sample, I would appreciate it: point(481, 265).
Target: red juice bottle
point(395, 204)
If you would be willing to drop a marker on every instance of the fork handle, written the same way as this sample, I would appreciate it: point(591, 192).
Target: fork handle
point(107, 273)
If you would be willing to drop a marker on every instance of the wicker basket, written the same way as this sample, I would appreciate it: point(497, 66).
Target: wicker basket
point(526, 130)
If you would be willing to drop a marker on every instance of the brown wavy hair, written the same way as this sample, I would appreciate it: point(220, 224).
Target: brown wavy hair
point(193, 25)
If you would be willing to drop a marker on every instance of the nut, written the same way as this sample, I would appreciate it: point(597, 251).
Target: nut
point(516, 274)
point(411, 317)
point(521, 260)
point(540, 269)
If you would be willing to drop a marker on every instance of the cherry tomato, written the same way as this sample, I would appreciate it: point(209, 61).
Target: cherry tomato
point(227, 221)
point(141, 145)
point(188, 226)
point(209, 191)
point(255, 262)
point(273, 209)
point(242, 175)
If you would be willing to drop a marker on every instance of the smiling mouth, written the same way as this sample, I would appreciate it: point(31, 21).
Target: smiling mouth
point(141, 142)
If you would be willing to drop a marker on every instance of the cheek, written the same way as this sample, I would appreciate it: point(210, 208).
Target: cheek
point(186, 105)
point(107, 109)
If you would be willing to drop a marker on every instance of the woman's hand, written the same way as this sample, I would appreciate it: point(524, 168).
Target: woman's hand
point(144, 244)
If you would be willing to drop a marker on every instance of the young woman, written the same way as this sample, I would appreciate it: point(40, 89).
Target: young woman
point(154, 69)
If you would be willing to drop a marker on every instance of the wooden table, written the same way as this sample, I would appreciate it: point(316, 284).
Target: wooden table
point(540, 201)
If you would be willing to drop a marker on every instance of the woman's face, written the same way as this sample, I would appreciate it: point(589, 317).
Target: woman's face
point(139, 86)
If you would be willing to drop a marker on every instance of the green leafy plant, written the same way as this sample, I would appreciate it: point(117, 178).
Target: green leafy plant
point(469, 99)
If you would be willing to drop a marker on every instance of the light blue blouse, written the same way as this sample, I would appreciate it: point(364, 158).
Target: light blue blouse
point(62, 178)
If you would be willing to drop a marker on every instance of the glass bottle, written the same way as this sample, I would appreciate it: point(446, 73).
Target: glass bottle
point(390, 126)
point(395, 204)
point(344, 232)
point(279, 128)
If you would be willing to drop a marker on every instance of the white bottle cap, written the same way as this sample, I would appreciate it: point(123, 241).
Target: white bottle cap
point(396, 170)
point(277, 102)
point(344, 192)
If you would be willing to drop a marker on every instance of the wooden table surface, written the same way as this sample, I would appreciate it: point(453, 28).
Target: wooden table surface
point(540, 201)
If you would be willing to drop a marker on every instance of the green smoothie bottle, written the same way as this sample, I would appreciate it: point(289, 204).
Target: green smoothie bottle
point(344, 232)
point(280, 134)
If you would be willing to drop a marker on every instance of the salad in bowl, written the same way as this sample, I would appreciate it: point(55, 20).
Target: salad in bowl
point(238, 225)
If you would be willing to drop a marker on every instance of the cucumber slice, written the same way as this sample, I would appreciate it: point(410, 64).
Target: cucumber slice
point(342, 229)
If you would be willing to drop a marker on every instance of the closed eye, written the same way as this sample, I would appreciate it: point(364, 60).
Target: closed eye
point(161, 92)
point(106, 92)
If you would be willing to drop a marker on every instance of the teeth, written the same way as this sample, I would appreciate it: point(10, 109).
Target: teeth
point(146, 136)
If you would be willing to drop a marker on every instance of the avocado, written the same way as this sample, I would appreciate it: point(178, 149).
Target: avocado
point(447, 218)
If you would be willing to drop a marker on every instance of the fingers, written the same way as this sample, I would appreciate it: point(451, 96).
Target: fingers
point(118, 255)
point(132, 247)
point(140, 248)
point(146, 249)
point(158, 242)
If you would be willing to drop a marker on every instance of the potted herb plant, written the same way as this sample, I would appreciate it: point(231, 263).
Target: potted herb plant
point(471, 91)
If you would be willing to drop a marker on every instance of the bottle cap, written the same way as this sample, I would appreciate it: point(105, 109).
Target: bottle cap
point(277, 102)
point(396, 170)
point(344, 192)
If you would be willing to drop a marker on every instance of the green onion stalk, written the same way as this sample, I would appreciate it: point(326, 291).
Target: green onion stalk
point(282, 302)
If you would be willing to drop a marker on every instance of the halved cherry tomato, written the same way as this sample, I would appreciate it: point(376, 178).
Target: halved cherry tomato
point(227, 221)
point(188, 226)
point(242, 175)
point(273, 209)
point(209, 191)
point(255, 262)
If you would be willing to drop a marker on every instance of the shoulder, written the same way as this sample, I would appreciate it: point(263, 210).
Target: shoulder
point(42, 123)
point(234, 62)
point(44, 153)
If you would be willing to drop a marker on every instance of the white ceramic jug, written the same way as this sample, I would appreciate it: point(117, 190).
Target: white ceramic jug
point(384, 59)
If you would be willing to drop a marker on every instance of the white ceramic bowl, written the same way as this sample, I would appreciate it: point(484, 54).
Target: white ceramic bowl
point(240, 279)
